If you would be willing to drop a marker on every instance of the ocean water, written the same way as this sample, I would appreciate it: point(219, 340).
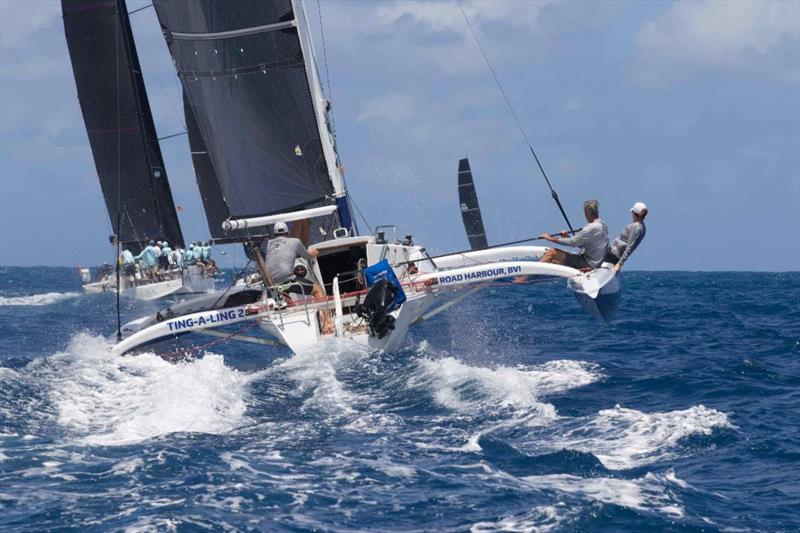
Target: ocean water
point(515, 411)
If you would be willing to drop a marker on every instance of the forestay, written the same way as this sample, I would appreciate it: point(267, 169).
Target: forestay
point(118, 121)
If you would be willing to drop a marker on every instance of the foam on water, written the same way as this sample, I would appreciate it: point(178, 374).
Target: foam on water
point(48, 298)
point(315, 373)
point(465, 388)
point(653, 492)
point(111, 400)
point(626, 438)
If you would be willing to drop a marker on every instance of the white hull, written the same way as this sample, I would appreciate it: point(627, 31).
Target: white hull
point(433, 287)
point(189, 281)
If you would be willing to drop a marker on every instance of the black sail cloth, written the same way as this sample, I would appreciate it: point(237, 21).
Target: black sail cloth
point(119, 124)
point(242, 69)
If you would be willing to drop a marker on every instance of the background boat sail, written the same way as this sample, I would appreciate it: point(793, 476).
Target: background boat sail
point(470, 210)
point(123, 137)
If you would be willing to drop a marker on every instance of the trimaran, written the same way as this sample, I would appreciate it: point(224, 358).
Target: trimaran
point(264, 152)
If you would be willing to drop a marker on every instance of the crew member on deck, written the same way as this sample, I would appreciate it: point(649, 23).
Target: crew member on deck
point(592, 238)
point(280, 254)
point(163, 259)
point(128, 265)
point(149, 260)
point(188, 257)
point(632, 235)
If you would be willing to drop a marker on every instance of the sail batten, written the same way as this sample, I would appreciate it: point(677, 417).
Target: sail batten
point(119, 123)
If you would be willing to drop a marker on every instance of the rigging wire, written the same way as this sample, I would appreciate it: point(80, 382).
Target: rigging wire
point(369, 226)
point(139, 9)
point(553, 193)
point(119, 174)
point(325, 60)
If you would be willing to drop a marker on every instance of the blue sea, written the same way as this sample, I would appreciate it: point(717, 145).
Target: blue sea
point(516, 411)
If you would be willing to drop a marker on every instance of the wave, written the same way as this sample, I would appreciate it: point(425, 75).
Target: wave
point(47, 298)
point(626, 438)
point(653, 492)
point(465, 388)
point(111, 400)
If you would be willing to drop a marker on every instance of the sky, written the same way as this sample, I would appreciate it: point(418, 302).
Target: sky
point(691, 107)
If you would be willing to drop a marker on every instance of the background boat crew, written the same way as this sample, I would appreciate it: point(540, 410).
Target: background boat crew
point(592, 239)
point(188, 256)
point(128, 265)
point(176, 258)
point(148, 259)
point(632, 235)
point(163, 259)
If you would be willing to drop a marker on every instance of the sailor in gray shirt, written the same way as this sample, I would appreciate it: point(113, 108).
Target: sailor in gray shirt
point(592, 238)
point(280, 252)
point(623, 246)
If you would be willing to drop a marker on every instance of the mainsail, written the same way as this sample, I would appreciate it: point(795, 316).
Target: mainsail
point(256, 118)
point(118, 122)
point(470, 210)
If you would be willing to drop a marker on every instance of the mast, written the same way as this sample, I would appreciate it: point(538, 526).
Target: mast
point(119, 123)
point(321, 108)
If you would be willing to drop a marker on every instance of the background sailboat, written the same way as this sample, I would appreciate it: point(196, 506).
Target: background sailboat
point(123, 138)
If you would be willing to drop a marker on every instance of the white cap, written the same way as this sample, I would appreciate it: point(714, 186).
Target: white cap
point(280, 228)
point(638, 207)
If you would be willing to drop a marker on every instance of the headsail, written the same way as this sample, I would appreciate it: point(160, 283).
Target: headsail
point(118, 121)
point(257, 108)
point(470, 210)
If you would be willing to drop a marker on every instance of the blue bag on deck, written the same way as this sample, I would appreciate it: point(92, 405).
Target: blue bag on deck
point(383, 271)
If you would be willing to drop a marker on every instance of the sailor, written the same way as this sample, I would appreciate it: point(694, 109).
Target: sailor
point(197, 252)
point(632, 235)
point(128, 264)
point(163, 259)
point(149, 260)
point(176, 258)
point(299, 286)
point(592, 238)
point(188, 256)
point(205, 251)
point(280, 254)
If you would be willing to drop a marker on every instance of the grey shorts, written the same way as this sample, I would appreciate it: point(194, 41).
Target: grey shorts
point(575, 261)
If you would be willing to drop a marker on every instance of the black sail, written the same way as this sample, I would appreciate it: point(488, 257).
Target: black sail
point(242, 69)
point(470, 210)
point(119, 123)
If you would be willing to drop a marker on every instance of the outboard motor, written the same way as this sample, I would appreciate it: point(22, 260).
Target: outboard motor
point(377, 305)
point(384, 296)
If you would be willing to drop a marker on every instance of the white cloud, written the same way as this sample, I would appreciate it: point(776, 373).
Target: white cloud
point(573, 103)
point(746, 36)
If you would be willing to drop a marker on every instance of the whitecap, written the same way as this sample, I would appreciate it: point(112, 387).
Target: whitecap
point(626, 438)
point(650, 493)
point(48, 298)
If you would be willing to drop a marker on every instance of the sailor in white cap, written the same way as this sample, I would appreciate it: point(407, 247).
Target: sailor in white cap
point(280, 255)
point(623, 246)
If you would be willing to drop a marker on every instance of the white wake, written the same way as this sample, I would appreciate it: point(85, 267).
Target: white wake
point(47, 298)
point(111, 400)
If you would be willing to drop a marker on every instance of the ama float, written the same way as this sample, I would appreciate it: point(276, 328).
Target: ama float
point(264, 151)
